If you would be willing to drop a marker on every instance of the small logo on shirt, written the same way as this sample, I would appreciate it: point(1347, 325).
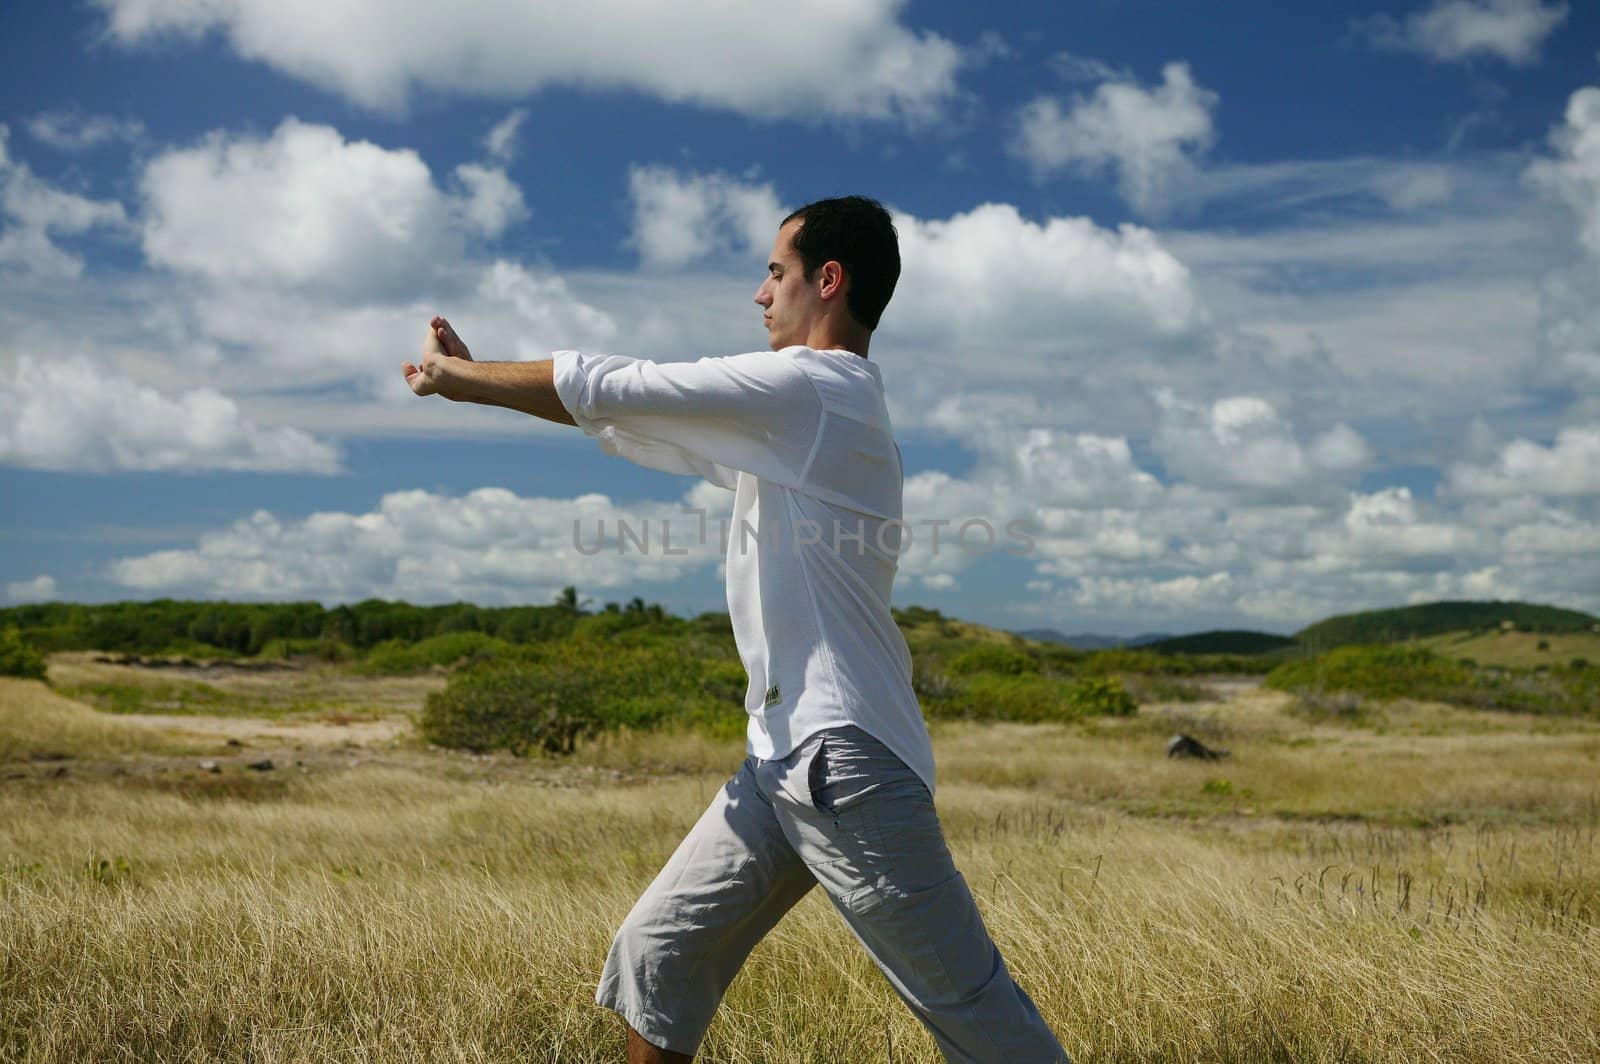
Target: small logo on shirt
point(773, 697)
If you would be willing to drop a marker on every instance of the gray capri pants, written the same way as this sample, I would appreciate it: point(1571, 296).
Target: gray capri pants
point(843, 811)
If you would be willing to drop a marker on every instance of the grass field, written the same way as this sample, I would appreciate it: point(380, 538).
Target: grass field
point(1517, 650)
point(1424, 886)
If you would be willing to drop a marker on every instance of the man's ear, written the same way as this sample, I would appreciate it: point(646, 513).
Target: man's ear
point(832, 276)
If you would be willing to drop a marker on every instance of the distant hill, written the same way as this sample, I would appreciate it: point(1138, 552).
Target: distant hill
point(1437, 618)
point(1091, 641)
point(1230, 641)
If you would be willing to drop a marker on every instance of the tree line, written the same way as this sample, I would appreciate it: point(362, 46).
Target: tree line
point(248, 628)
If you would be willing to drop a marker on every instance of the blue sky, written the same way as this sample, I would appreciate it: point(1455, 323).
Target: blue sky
point(1250, 312)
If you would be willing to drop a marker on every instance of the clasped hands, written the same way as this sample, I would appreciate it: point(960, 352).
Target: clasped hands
point(429, 375)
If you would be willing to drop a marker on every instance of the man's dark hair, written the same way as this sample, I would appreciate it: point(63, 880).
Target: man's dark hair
point(855, 232)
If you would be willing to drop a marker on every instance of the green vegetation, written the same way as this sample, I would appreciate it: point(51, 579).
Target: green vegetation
point(1513, 649)
point(397, 657)
point(542, 677)
point(635, 670)
point(996, 658)
point(19, 658)
point(1385, 673)
point(548, 697)
point(1026, 698)
point(1438, 618)
point(1230, 641)
point(1144, 662)
point(214, 629)
point(175, 697)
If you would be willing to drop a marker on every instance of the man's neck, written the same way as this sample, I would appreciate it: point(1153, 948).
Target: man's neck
point(833, 336)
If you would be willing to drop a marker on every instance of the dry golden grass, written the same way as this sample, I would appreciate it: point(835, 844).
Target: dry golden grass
point(408, 910)
point(36, 724)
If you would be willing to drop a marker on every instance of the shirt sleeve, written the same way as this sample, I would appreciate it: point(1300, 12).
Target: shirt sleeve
point(756, 413)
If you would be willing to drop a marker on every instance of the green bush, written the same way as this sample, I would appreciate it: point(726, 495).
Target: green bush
point(1385, 673)
point(990, 696)
point(19, 658)
point(1030, 699)
point(397, 657)
point(509, 705)
point(993, 657)
point(321, 649)
point(1381, 672)
point(547, 696)
point(1101, 697)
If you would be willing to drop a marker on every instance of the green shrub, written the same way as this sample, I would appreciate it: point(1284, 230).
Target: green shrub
point(547, 696)
point(1381, 672)
point(1385, 673)
point(1101, 697)
point(322, 649)
point(512, 706)
point(396, 656)
point(992, 696)
point(1127, 660)
point(993, 657)
point(19, 658)
point(1031, 699)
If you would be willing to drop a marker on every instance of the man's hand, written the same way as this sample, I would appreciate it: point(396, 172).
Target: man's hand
point(447, 369)
point(442, 344)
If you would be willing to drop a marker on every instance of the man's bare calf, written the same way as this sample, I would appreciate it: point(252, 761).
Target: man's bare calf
point(642, 1052)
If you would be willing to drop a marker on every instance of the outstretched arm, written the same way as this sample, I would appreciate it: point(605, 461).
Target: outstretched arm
point(447, 368)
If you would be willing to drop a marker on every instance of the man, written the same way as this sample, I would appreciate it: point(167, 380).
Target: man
point(838, 785)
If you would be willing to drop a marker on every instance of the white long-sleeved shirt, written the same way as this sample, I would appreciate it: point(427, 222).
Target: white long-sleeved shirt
point(803, 439)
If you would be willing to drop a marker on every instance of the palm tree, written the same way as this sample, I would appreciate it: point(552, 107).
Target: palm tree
point(568, 600)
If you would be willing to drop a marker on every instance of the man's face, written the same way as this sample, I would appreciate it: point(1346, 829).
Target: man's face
point(790, 303)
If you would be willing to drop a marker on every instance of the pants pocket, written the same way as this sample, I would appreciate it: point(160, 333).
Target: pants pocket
point(849, 767)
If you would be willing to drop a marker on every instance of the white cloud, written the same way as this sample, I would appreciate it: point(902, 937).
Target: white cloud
point(681, 217)
point(1569, 297)
point(1071, 67)
point(993, 277)
point(73, 131)
point(1457, 30)
point(1254, 525)
point(1148, 137)
point(41, 588)
point(1242, 442)
point(68, 415)
point(493, 202)
point(1570, 466)
point(489, 545)
point(299, 260)
point(306, 208)
point(503, 309)
point(1340, 450)
point(1387, 528)
point(1573, 174)
point(501, 141)
point(1382, 319)
point(35, 211)
point(844, 59)
point(1172, 596)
